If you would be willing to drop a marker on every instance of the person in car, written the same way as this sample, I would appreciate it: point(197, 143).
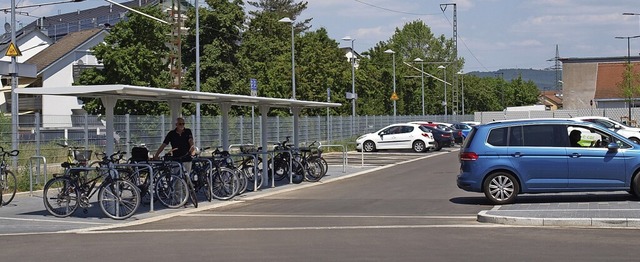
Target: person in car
point(574, 138)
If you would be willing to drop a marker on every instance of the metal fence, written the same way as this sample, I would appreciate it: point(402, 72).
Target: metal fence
point(39, 134)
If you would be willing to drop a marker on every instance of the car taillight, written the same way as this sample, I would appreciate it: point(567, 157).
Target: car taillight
point(459, 133)
point(446, 135)
point(427, 135)
point(468, 156)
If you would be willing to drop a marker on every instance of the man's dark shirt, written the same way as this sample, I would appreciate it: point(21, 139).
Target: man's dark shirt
point(179, 141)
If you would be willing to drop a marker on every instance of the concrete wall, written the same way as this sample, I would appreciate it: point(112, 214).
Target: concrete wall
point(579, 84)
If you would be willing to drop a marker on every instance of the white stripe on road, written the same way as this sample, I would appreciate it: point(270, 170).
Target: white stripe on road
point(330, 216)
point(56, 221)
point(292, 228)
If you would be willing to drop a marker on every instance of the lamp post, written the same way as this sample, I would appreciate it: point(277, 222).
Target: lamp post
point(636, 14)
point(422, 80)
point(393, 54)
point(628, 64)
point(293, 59)
point(353, 81)
point(462, 88)
point(444, 103)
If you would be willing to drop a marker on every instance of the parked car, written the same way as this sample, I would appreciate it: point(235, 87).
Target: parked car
point(505, 158)
point(463, 128)
point(471, 123)
point(457, 134)
point(442, 137)
point(632, 133)
point(397, 136)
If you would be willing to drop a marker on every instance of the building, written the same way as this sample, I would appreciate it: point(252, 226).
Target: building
point(597, 82)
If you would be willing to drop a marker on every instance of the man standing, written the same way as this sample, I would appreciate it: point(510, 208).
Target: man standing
point(181, 140)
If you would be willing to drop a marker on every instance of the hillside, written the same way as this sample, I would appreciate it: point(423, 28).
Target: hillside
point(544, 79)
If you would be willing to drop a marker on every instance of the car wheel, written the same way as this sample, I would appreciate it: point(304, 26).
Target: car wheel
point(635, 186)
point(369, 146)
point(635, 139)
point(437, 146)
point(501, 188)
point(419, 146)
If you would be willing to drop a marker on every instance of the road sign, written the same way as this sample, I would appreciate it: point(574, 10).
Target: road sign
point(254, 86)
point(13, 50)
point(394, 96)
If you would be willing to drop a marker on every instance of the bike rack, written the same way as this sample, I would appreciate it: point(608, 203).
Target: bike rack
point(344, 155)
point(273, 154)
point(151, 184)
point(44, 162)
point(255, 168)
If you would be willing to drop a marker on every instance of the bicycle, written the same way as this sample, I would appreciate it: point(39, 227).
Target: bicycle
point(279, 164)
point(183, 175)
point(8, 182)
point(226, 181)
point(77, 155)
point(118, 198)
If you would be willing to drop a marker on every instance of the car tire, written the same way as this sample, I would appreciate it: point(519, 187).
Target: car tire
point(419, 146)
point(635, 186)
point(368, 146)
point(501, 188)
point(437, 146)
point(635, 139)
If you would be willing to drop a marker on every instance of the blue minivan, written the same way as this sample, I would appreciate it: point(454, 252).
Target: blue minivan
point(506, 158)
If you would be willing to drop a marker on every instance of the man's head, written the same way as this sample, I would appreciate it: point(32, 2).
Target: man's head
point(575, 135)
point(180, 123)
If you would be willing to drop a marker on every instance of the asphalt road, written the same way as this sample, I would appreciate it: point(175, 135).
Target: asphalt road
point(407, 212)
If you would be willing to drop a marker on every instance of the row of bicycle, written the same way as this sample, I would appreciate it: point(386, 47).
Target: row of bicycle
point(122, 186)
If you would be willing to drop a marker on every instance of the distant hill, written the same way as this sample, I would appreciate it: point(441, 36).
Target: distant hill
point(544, 79)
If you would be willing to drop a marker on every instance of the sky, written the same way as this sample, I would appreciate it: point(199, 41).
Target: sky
point(492, 34)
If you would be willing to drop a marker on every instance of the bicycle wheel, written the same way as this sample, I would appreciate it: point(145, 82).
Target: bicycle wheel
point(8, 187)
point(313, 171)
point(60, 196)
point(224, 184)
point(325, 165)
point(248, 171)
point(192, 191)
point(280, 168)
point(171, 190)
point(242, 181)
point(207, 186)
point(119, 199)
point(298, 172)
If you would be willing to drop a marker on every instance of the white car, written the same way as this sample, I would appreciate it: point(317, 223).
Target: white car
point(633, 133)
point(397, 136)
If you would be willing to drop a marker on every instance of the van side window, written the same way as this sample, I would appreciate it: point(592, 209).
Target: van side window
point(516, 136)
point(542, 135)
point(498, 137)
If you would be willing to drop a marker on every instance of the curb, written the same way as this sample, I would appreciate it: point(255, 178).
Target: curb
point(484, 217)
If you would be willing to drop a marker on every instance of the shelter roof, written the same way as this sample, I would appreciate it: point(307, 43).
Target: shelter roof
point(127, 92)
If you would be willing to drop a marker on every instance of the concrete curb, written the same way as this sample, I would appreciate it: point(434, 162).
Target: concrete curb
point(485, 217)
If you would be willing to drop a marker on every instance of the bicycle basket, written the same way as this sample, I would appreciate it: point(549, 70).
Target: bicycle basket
point(82, 155)
point(139, 154)
point(248, 149)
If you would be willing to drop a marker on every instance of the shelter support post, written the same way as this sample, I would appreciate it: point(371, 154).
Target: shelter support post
point(264, 111)
point(296, 129)
point(176, 110)
point(109, 103)
point(225, 107)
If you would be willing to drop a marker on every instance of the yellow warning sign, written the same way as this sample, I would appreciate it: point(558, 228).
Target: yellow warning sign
point(13, 50)
point(394, 96)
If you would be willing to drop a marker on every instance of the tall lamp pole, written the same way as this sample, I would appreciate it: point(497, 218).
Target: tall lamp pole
point(628, 64)
point(444, 103)
point(393, 54)
point(462, 89)
point(422, 80)
point(353, 81)
point(293, 59)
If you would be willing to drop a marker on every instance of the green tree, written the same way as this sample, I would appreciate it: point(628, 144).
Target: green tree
point(134, 53)
point(220, 26)
point(630, 85)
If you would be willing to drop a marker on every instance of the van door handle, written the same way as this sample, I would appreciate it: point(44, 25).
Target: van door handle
point(575, 155)
point(517, 154)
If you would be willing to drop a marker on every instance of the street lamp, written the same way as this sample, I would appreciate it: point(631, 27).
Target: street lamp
point(353, 81)
point(637, 14)
point(462, 89)
point(628, 63)
point(444, 103)
point(293, 59)
point(421, 79)
point(393, 54)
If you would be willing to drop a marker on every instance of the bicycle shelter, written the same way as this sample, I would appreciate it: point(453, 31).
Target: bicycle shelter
point(110, 94)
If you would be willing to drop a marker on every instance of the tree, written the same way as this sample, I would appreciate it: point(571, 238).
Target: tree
point(220, 26)
point(630, 85)
point(134, 53)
